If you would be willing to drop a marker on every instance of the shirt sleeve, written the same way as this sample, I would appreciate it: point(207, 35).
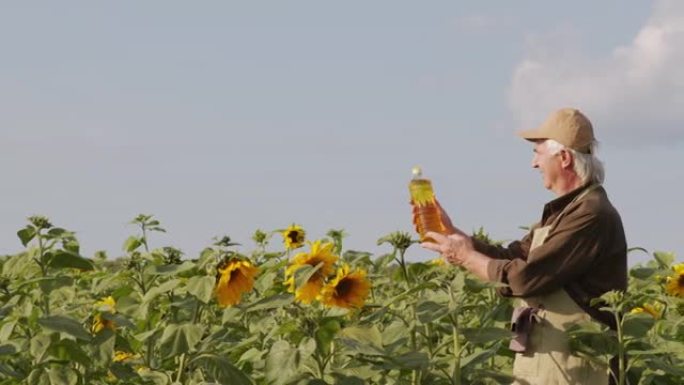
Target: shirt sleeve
point(568, 251)
point(515, 249)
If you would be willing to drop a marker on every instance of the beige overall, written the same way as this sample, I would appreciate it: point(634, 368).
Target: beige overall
point(549, 360)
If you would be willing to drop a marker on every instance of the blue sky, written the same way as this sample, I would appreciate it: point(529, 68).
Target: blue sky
point(224, 117)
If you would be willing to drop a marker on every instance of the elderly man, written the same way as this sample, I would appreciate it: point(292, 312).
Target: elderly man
point(575, 253)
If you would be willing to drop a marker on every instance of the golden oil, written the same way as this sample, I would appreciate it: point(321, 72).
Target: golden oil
point(426, 213)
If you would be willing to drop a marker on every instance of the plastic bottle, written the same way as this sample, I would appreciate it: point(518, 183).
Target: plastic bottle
point(426, 214)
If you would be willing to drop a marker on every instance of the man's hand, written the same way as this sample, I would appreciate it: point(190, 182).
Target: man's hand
point(458, 249)
point(454, 248)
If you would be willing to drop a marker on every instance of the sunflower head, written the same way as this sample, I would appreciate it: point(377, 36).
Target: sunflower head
point(106, 304)
point(121, 356)
point(235, 277)
point(437, 262)
point(348, 289)
point(100, 323)
point(320, 257)
point(654, 309)
point(675, 282)
point(293, 237)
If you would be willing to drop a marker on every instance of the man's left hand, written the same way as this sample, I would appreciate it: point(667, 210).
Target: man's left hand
point(454, 248)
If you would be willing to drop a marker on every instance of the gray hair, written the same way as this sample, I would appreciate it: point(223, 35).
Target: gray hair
point(588, 167)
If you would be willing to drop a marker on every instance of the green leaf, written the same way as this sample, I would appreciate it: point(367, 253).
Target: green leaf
point(221, 370)
point(39, 345)
point(123, 372)
point(410, 360)
point(202, 287)
point(327, 329)
point(60, 375)
point(664, 259)
point(26, 235)
point(48, 284)
point(154, 377)
point(251, 355)
point(642, 272)
point(142, 337)
point(317, 381)
point(161, 289)
point(479, 356)
point(430, 311)
point(306, 348)
point(271, 302)
point(102, 347)
point(637, 325)
point(179, 339)
point(7, 349)
point(70, 350)
point(486, 334)
point(350, 380)
point(131, 244)
point(458, 283)
point(56, 232)
point(67, 259)
point(395, 332)
point(281, 363)
point(364, 340)
point(71, 245)
point(173, 268)
point(8, 371)
point(38, 376)
point(66, 325)
point(382, 261)
point(6, 331)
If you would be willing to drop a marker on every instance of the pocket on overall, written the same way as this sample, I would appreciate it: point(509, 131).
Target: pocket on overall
point(526, 365)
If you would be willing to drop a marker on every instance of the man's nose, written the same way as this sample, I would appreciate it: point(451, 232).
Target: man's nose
point(534, 162)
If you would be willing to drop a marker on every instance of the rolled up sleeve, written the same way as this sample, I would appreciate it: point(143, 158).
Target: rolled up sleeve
point(515, 250)
point(568, 251)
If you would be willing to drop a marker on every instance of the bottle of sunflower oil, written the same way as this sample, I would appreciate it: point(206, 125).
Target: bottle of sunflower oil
point(426, 214)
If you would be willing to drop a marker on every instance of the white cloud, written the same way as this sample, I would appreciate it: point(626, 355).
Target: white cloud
point(634, 94)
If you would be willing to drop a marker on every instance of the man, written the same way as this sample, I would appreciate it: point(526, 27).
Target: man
point(575, 253)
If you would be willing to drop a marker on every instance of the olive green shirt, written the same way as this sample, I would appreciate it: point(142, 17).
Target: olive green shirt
point(585, 254)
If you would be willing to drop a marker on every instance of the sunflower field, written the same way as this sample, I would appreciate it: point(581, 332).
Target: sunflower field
point(292, 310)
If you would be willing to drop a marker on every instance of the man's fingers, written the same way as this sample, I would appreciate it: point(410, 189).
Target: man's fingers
point(431, 246)
point(439, 238)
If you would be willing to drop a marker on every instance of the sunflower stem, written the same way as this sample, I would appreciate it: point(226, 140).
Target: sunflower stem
point(621, 350)
point(402, 262)
point(43, 270)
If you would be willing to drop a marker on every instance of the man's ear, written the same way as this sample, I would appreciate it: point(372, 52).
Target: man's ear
point(566, 159)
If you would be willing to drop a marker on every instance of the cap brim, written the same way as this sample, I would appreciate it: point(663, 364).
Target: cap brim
point(531, 135)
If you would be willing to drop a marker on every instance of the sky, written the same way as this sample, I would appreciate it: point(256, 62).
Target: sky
point(223, 117)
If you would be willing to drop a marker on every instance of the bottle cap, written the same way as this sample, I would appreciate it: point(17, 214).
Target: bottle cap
point(417, 172)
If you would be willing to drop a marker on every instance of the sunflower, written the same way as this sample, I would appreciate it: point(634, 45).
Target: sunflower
point(321, 253)
point(121, 356)
point(100, 323)
point(293, 237)
point(347, 289)
point(655, 310)
point(234, 278)
point(437, 262)
point(675, 282)
point(106, 304)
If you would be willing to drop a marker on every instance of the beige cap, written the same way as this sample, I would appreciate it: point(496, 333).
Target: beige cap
point(567, 126)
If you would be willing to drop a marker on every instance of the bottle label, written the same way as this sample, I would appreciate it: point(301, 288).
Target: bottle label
point(421, 192)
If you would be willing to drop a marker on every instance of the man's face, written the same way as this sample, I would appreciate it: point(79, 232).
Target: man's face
point(549, 165)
